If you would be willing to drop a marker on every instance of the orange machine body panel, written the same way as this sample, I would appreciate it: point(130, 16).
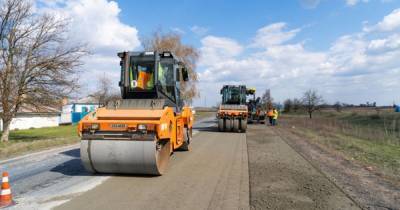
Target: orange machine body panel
point(163, 122)
point(234, 113)
point(222, 112)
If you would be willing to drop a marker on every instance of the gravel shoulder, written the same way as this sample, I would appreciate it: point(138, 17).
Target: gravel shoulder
point(280, 178)
point(366, 187)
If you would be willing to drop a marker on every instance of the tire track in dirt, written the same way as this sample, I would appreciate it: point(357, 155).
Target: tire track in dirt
point(320, 171)
point(280, 178)
point(368, 189)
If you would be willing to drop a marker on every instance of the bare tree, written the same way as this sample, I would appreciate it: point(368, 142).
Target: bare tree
point(267, 99)
point(312, 101)
point(173, 42)
point(338, 106)
point(287, 105)
point(297, 104)
point(105, 91)
point(37, 63)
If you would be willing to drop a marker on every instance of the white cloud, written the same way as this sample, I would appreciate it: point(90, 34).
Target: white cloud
point(356, 68)
point(178, 30)
point(309, 4)
point(273, 34)
point(52, 3)
point(214, 49)
point(390, 43)
point(360, 55)
point(390, 22)
point(354, 2)
point(97, 24)
point(199, 30)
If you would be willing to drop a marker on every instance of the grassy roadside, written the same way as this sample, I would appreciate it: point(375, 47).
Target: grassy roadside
point(32, 140)
point(352, 139)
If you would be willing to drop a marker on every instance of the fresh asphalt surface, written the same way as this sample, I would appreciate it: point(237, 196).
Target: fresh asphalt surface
point(214, 175)
point(49, 178)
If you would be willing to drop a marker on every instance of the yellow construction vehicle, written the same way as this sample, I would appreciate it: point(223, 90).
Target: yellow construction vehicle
point(137, 135)
point(256, 112)
point(232, 113)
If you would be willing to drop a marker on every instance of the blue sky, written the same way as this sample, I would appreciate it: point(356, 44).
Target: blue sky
point(348, 50)
point(240, 19)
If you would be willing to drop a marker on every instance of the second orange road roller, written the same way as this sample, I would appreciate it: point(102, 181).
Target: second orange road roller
point(137, 134)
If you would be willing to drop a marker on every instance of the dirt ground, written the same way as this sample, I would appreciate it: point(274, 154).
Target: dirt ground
point(366, 187)
point(280, 178)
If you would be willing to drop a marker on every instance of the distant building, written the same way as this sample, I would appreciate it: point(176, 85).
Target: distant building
point(28, 118)
point(72, 113)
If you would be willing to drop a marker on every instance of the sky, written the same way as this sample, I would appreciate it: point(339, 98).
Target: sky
point(347, 50)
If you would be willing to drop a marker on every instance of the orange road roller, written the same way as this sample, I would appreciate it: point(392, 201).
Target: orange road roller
point(138, 134)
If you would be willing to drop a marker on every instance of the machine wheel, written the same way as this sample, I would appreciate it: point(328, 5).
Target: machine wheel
point(187, 137)
point(228, 125)
point(162, 157)
point(243, 125)
point(235, 125)
point(221, 124)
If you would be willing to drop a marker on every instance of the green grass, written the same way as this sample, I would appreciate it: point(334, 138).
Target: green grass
point(25, 141)
point(44, 133)
point(350, 136)
point(380, 155)
point(389, 121)
point(382, 126)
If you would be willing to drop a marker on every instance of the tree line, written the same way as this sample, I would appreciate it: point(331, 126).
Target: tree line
point(310, 102)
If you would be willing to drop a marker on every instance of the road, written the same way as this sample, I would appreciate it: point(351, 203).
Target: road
point(213, 175)
point(256, 170)
point(51, 178)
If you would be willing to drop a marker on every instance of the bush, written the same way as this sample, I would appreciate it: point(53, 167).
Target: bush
point(375, 117)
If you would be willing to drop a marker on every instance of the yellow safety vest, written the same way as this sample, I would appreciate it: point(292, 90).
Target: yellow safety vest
point(275, 116)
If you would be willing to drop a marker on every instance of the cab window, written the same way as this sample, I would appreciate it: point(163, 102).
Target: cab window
point(141, 76)
point(166, 79)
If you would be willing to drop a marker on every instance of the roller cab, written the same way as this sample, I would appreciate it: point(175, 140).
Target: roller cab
point(137, 135)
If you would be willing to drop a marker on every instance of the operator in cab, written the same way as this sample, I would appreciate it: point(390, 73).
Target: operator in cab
point(145, 77)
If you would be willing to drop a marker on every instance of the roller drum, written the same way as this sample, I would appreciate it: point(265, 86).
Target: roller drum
point(125, 156)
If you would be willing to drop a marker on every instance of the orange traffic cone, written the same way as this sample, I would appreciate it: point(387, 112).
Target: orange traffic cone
point(5, 193)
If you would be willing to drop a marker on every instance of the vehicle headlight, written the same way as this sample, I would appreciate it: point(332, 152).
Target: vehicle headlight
point(164, 126)
point(142, 127)
point(94, 126)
